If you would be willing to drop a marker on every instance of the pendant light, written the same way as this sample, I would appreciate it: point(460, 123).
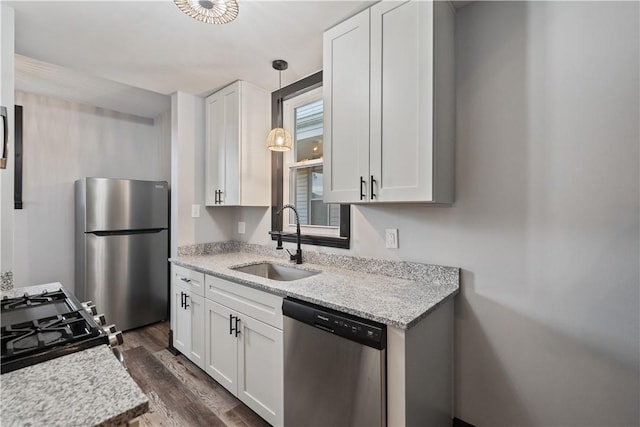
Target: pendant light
point(209, 11)
point(279, 138)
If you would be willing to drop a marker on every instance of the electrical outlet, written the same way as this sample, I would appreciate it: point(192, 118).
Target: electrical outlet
point(391, 238)
point(241, 227)
point(195, 211)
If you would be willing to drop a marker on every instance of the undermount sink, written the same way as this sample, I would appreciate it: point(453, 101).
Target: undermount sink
point(275, 271)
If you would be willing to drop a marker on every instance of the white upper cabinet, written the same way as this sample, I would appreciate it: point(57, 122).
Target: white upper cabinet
point(345, 83)
point(238, 164)
point(390, 105)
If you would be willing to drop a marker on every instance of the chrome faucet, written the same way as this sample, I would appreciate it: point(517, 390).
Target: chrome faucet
point(298, 255)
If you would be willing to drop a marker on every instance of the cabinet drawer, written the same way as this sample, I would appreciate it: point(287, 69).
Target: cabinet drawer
point(192, 279)
point(258, 304)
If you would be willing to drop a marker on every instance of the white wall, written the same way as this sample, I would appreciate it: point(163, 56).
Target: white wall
point(62, 142)
point(7, 48)
point(188, 166)
point(546, 221)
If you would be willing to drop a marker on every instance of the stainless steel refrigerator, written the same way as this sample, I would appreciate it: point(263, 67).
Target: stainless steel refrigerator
point(122, 246)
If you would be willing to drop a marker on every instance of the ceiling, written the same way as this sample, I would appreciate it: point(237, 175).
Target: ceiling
point(150, 45)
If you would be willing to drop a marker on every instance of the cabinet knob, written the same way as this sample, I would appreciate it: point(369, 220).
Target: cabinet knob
point(362, 182)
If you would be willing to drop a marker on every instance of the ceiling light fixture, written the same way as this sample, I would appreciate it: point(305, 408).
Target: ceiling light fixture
point(210, 11)
point(279, 138)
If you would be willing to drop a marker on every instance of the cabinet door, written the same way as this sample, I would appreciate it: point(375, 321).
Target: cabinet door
point(180, 319)
point(260, 370)
point(221, 353)
point(402, 100)
point(195, 307)
point(231, 100)
point(346, 110)
point(215, 166)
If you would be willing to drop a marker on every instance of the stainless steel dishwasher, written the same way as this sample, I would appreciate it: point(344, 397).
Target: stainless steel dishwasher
point(334, 368)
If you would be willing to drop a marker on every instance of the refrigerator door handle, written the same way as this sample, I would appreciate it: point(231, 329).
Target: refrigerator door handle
point(5, 137)
point(125, 232)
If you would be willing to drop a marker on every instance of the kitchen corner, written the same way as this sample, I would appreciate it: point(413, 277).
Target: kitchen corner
point(391, 321)
point(88, 387)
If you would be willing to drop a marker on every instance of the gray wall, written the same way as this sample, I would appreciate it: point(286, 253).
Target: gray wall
point(65, 141)
point(546, 222)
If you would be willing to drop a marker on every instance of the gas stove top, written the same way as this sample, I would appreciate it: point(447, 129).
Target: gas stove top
point(36, 328)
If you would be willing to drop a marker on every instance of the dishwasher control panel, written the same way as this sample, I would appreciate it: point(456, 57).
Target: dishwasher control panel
point(363, 331)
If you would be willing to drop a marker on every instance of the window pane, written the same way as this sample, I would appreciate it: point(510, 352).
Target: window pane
point(306, 196)
point(308, 131)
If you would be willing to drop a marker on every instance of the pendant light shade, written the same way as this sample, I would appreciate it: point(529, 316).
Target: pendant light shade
point(279, 138)
point(209, 11)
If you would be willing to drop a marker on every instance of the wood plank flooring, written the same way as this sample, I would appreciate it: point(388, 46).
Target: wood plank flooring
point(180, 393)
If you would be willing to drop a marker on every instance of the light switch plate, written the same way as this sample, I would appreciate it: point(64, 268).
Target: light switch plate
point(195, 211)
point(242, 227)
point(391, 238)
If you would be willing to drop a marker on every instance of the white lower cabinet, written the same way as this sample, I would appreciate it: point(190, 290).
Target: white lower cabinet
point(221, 346)
point(187, 321)
point(245, 355)
point(234, 333)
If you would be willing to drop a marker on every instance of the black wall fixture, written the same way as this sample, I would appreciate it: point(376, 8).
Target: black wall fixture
point(17, 171)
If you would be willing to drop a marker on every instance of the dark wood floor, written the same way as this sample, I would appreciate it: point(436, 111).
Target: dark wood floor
point(180, 393)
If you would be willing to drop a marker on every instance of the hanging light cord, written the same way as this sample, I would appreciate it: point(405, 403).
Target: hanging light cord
point(280, 98)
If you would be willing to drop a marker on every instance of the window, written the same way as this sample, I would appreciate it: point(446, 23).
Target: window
point(298, 174)
point(302, 180)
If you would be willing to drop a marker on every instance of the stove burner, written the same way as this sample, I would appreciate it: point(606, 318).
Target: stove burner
point(31, 340)
point(31, 300)
point(43, 333)
point(41, 327)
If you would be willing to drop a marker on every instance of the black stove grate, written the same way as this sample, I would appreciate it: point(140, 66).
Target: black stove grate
point(45, 326)
point(42, 333)
point(31, 300)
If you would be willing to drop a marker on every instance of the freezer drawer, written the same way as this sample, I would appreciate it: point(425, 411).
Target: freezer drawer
point(126, 276)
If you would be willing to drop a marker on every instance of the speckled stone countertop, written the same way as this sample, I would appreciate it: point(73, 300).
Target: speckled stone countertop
point(400, 299)
point(86, 388)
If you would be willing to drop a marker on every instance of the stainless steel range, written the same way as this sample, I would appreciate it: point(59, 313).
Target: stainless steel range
point(40, 327)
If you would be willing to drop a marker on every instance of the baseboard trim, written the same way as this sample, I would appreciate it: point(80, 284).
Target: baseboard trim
point(170, 347)
point(457, 422)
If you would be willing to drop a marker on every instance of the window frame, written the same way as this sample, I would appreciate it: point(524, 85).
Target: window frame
point(342, 241)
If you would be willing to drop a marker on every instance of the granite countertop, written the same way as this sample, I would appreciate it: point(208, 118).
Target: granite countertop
point(86, 388)
point(400, 299)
